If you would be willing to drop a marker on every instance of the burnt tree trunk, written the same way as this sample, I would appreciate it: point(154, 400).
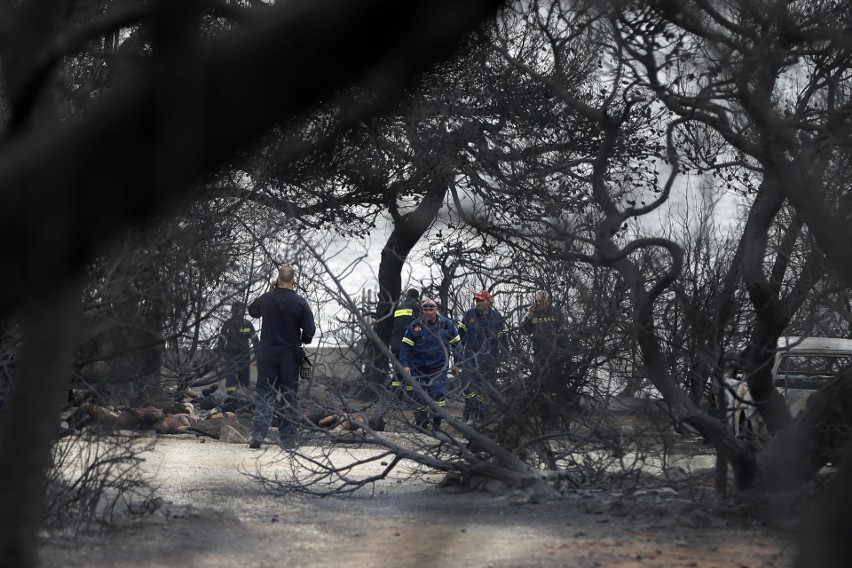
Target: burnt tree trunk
point(773, 311)
point(407, 231)
point(91, 156)
point(825, 538)
point(30, 421)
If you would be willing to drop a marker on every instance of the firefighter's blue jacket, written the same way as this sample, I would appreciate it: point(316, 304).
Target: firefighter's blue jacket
point(427, 346)
point(483, 338)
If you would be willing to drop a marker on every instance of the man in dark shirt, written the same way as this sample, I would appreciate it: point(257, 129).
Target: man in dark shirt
point(235, 341)
point(551, 352)
point(406, 311)
point(288, 323)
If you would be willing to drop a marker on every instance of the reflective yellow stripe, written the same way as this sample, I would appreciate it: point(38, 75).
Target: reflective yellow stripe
point(403, 312)
point(471, 395)
point(408, 341)
point(396, 384)
point(456, 339)
point(462, 326)
point(245, 330)
point(441, 402)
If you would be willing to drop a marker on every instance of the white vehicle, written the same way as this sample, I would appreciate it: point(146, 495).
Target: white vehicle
point(802, 366)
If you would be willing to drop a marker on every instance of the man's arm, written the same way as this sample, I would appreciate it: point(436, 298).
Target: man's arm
point(405, 348)
point(462, 328)
point(454, 342)
point(527, 325)
point(308, 326)
point(503, 337)
point(255, 309)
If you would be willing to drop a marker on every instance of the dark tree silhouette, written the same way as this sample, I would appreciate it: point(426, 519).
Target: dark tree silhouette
point(68, 186)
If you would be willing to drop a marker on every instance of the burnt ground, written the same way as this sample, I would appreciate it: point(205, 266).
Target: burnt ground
point(214, 515)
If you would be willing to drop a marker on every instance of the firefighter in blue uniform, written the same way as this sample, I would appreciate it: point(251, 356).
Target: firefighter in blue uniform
point(425, 354)
point(484, 344)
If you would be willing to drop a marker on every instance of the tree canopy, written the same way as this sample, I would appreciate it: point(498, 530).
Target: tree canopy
point(147, 148)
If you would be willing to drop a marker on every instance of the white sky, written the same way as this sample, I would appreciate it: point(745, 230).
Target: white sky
point(356, 260)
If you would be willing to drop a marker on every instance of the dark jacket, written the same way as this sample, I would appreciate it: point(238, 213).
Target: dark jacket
point(237, 335)
point(483, 338)
point(427, 346)
point(405, 312)
point(287, 320)
point(549, 333)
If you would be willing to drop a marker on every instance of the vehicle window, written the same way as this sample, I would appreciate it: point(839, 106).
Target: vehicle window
point(810, 371)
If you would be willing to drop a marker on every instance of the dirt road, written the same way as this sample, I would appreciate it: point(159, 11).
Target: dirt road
point(218, 517)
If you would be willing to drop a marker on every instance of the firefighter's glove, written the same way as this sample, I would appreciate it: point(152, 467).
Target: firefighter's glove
point(305, 370)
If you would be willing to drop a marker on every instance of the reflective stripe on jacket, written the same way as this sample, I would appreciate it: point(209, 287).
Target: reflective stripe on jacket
point(427, 345)
point(237, 335)
point(406, 312)
point(549, 334)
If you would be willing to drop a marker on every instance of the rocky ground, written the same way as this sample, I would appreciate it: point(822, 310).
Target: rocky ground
point(215, 515)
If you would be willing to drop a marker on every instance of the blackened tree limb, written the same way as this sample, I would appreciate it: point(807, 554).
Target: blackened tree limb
point(50, 334)
point(66, 187)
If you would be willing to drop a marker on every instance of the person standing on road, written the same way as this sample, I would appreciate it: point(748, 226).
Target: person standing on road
point(288, 323)
point(425, 355)
point(484, 344)
point(236, 338)
point(551, 352)
point(407, 310)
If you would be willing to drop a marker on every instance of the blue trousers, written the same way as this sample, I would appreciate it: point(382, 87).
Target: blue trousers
point(276, 392)
point(479, 374)
point(434, 381)
point(237, 370)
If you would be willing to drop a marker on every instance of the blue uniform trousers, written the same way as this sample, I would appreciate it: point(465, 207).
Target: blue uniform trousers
point(237, 369)
point(276, 391)
point(434, 381)
point(477, 380)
